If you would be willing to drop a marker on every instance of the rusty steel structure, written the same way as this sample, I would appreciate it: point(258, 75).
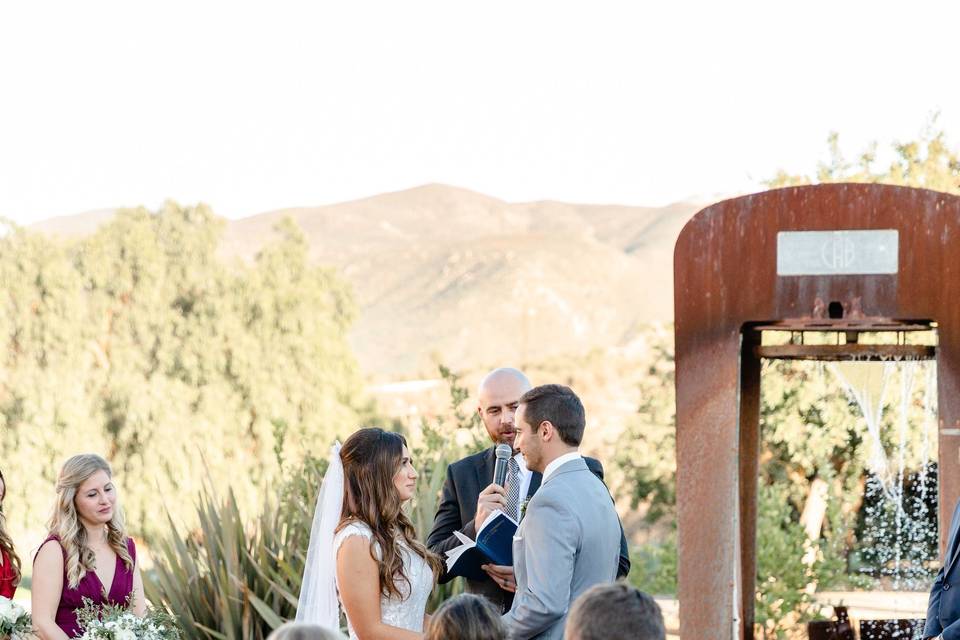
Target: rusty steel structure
point(840, 257)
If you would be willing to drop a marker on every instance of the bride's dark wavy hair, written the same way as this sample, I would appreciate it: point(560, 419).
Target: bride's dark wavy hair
point(371, 458)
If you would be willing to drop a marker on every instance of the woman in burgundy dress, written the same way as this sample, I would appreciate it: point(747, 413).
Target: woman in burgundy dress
point(9, 560)
point(87, 554)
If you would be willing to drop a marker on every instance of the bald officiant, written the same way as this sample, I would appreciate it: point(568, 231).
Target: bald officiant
point(468, 497)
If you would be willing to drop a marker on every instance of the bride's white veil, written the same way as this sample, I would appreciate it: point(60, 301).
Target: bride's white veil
point(318, 602)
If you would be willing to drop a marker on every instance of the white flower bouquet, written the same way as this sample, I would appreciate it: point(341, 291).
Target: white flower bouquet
point(120, 623)
point(15, 622)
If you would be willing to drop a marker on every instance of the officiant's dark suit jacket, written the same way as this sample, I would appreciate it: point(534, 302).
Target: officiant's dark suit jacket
point(466, 478)
point(943, 612)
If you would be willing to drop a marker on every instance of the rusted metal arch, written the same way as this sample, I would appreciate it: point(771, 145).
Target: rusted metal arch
point(725, 278)
point(830, 352)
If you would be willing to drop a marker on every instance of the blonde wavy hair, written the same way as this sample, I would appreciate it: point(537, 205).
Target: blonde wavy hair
point(65, 523)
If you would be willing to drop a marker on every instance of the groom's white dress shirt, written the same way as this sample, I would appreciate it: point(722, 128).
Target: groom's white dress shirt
point(559, 462)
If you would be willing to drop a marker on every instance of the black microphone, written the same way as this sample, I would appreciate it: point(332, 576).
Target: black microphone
point(504, 453)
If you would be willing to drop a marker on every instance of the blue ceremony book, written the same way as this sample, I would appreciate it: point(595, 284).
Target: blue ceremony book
point(494, 545)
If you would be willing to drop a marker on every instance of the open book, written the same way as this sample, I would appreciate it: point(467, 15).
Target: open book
point(494, 545)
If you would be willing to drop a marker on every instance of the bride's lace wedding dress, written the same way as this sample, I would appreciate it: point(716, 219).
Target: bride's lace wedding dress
point(406, 612)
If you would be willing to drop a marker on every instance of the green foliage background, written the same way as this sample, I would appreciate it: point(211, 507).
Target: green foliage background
point(140, 343)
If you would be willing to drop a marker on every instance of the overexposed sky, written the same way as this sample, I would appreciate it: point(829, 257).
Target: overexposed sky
point(252, 107)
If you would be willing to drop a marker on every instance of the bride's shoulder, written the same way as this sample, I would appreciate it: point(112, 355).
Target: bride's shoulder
point(352, 528)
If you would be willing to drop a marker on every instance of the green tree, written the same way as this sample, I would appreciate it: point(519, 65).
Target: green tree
point(928, 162)
point(139, 342)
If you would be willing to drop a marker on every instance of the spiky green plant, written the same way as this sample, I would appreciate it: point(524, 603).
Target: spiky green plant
point(232, 579)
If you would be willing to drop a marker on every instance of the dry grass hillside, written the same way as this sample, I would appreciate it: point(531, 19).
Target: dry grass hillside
point(446, 274)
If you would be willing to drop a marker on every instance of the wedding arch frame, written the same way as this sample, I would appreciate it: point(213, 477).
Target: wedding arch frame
point(838, 257)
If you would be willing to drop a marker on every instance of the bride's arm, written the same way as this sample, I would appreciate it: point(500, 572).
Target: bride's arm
point(359, 582)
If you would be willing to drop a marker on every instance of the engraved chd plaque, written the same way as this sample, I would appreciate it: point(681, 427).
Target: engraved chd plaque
point(834, 253)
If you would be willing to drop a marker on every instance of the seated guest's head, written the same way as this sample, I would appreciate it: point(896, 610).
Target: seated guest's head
point(466, 617)
point(614, 611)
point(304, 631)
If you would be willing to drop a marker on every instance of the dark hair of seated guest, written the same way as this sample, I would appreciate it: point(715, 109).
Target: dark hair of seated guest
point(466, 617)
point(614, 611)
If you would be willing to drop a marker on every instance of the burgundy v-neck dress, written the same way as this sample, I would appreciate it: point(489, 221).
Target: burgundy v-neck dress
point(7, 586)
point(90, 587)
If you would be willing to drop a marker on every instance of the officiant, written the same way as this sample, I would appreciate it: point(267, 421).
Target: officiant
point(468, 499)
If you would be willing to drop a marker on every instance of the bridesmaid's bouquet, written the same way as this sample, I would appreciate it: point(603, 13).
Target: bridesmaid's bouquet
point(15, 622)
point(110, 622)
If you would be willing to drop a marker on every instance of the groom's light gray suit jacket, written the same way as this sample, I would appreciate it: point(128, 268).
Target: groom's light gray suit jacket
point(568, 541)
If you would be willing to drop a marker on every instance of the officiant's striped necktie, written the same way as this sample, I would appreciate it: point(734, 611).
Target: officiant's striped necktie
point(513, 489)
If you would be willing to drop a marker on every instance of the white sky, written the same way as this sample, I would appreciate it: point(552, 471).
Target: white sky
point(252, 107)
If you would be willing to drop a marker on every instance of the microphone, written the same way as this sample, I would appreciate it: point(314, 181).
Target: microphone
point(504, 452)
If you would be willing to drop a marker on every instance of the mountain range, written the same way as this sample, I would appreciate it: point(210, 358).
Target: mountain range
point(444, 274)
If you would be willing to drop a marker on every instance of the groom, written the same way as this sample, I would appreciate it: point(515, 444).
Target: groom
point(569, 538)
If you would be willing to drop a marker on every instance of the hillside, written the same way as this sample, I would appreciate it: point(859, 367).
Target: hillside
point(442, 272)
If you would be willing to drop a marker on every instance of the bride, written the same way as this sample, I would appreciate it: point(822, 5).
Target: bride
point(363, 547)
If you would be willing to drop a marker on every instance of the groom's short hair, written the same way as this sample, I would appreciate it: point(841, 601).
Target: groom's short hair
point(560, 406)
point(614, 611)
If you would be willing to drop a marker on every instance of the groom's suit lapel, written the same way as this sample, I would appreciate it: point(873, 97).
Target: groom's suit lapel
point(536, 479)
point(570, 466)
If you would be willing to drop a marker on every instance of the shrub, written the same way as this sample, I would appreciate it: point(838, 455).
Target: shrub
point(653, 566)
point(231, 580)
point(783, 599)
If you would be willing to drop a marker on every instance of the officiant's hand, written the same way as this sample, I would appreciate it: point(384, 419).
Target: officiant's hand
point(492, 498)
point(502, 575)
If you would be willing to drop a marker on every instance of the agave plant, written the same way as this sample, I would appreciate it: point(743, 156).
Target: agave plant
point(227, 580)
